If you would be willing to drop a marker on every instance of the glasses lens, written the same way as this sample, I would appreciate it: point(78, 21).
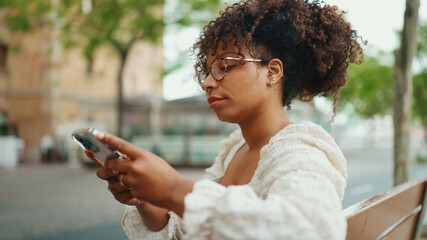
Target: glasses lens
point(218, 68)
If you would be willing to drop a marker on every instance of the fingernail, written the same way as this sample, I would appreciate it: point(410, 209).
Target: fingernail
point(100, 135)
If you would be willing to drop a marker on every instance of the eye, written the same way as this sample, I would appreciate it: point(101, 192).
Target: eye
point(230, 64)
point(219, 66)
point(228, 67)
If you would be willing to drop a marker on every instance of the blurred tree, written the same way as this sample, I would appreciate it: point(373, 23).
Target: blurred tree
point(91, 24)
point(420, 100)
point(422, 42)
point(403, 92)
point(117, 24)
point(419, 108)
point(24, 16)
point(369, 90)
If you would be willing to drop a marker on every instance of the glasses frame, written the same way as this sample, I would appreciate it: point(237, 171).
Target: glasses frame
point(225, 64)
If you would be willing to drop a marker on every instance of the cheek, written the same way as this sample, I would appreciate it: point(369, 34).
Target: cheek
point(253, 89)
point(252, 97)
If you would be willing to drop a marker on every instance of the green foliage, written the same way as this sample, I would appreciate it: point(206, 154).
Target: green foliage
point(419, 110)
point(369, 88)
point(24, 16)
point(421, 159)
point(120, 23)
point(422, 41)
point(110, 22)
point(419, 81)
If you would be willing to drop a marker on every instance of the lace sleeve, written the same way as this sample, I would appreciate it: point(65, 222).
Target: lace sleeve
point(135, 228)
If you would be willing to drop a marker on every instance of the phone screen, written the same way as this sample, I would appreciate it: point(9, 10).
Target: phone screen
point(86, 139)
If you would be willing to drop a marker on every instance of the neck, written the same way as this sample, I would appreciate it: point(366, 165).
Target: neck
point(257, 131)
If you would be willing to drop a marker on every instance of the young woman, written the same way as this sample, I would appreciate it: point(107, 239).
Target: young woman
point(272, 179)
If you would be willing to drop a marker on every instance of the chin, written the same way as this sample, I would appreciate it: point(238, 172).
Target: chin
point(228, 117)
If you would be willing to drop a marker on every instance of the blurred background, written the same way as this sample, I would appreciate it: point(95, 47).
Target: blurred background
point(125, 67)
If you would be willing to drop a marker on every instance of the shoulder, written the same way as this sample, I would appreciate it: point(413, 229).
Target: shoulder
point(305, 138)
point(303, 130)
point(303, 147)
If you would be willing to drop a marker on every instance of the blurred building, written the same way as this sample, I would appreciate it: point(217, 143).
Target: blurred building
point(44, 87)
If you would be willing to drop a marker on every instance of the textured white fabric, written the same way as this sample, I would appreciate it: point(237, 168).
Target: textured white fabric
point(295, 193)
point(135, 229)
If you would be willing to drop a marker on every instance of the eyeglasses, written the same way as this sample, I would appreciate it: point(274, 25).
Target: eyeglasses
point(220, 67)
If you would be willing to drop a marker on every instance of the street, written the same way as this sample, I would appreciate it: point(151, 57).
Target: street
point(60, 202)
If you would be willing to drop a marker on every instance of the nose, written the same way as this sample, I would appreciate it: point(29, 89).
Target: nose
point(209, 82)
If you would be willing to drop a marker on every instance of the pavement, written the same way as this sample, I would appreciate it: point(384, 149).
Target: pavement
point(61, 202)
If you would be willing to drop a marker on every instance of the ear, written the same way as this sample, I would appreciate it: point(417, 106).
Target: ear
point(275, 70)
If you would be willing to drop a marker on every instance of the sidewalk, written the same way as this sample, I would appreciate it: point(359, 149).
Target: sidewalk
point(46, 200)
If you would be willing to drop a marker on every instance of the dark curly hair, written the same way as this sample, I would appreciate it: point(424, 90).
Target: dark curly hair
point(312, 40)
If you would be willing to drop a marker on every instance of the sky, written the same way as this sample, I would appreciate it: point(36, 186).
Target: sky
point(375, 20)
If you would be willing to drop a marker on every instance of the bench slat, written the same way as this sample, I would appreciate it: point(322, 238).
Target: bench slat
point(405, 231)
point(370, 218)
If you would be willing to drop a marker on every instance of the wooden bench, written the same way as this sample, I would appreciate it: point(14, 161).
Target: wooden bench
point(395, 214)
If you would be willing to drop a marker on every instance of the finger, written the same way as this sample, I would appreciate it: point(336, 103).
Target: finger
point(112, 173)
point(123, 197)
point(106, 174)
point(117, 165)
point(102, 173)
point(116, 187)
point(112, 179)
point(123, 182)
point(119, 144)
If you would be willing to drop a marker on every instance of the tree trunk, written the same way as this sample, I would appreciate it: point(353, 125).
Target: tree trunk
point(403, 92)
point(120, 95)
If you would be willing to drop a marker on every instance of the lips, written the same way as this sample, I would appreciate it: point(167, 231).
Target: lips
point(213, 101)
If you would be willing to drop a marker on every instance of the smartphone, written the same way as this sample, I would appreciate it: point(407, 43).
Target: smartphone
point(86, 138)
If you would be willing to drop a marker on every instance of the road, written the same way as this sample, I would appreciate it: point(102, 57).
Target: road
point(370, 172)
point(60, 202)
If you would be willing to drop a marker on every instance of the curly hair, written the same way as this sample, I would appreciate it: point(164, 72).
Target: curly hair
point(312, 39)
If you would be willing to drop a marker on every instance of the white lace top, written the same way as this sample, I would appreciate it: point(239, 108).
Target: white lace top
point(295, 193)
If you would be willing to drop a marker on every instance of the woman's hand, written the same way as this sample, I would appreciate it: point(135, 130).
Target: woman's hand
point(120, 192)
point(148, 177)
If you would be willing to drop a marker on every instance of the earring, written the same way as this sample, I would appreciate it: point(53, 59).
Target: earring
point(271, 81)
point(270, 73)
point(208, 91)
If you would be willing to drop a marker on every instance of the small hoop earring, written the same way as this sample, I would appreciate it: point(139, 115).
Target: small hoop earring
point(208, 91)
point(270, 73)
